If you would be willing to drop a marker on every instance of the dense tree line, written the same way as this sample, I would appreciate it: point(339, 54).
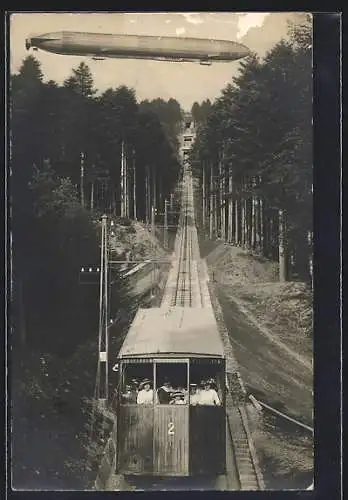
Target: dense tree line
point(200, 112)
point(254, 156)
point(74, 156)
point(169, 114)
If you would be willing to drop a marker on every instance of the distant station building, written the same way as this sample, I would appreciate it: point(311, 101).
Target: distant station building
point(188, 137)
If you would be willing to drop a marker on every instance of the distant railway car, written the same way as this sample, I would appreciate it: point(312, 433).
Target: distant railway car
point(170, 409)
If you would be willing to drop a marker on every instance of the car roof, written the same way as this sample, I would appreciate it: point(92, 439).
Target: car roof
point(173, 331)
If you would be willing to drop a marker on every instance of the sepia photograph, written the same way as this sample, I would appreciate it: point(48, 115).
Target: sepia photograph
point(161, 194)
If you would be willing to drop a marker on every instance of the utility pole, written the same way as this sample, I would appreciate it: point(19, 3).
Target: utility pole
point(82, 175)
point(100, 276)
point(103, 344)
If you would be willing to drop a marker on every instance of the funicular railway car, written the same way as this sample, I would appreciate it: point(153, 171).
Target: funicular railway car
point(170, 409)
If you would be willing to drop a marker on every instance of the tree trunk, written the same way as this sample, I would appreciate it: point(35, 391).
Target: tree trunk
point(270, 235)
point(203, 198)
point(211, 205)
point(216, 226)
point(82, 177)
point(236, 225)
point(253, 218)
point(310, 256)
point(147, 195)
point(23, 323)
point(92, 196)
point(261, 226)
point(244, 223)
point(222, 201)
point(230, 207)
point(160, 191)
point(126, 184)
point(283, 271)
point(134, 189)
point(249, 221)
point(154, 189)
point(122, 182)
point(112, 199)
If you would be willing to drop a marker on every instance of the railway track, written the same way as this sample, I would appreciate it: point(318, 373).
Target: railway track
point(183, 287)
point(186, 288)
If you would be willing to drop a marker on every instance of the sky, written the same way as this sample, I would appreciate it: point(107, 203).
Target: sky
point(186, 82)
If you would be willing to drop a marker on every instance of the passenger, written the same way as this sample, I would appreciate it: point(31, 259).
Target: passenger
point(164, 393)
point(145, 395)
point(135, 383)
point(134, 391)
point(208, 396)
point(186, 395)
point(178, 398)
point(212, 382)
point(127, 395)
point(194, 395)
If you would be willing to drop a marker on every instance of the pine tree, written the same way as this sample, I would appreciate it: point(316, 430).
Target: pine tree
point(81, 81)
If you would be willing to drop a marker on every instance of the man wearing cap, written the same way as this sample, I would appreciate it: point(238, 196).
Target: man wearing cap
point(178, 398)
point(164, 393)
point(208, 396)
point(145, 395)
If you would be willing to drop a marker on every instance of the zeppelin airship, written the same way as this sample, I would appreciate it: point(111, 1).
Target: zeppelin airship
point(162, 48)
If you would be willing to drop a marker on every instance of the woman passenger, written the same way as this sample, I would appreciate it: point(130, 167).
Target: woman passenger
point(208, 396)
point(145, 395)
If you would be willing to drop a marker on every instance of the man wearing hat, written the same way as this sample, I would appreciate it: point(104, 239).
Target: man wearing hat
point(164, 393)
point(145, 395)
point(178, 398)
point(208, 396)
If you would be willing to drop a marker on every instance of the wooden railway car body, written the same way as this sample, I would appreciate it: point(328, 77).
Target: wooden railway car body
point(171, 439)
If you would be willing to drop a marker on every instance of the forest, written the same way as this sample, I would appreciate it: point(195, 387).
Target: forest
point(253, 156)
point(75, 156)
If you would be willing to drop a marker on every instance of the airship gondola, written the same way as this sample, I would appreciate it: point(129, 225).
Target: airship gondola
point(163, 48)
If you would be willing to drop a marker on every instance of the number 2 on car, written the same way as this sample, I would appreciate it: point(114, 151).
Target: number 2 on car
point(170, 429)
